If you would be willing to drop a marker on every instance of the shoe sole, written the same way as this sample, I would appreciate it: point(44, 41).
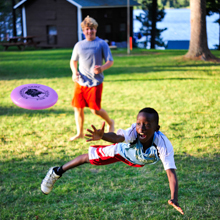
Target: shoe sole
point(44, 192)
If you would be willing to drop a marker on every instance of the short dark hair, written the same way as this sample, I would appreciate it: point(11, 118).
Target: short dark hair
point(151, 111)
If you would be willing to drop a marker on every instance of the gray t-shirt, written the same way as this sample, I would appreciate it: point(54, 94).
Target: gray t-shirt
point(89, 54)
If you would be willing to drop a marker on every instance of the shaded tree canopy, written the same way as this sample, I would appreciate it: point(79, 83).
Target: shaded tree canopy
point(7, 18)
point(213, 6)
point(174, 3)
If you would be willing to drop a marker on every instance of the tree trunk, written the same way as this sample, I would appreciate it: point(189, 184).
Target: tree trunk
point(198, 48)
point(14, 19)
point(153, 28)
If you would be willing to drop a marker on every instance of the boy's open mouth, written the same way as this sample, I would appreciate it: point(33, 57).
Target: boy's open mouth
point(142, 135)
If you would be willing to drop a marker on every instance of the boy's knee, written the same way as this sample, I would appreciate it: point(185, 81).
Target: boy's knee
point(94, 111)
point(78, 110)
point(86, 158)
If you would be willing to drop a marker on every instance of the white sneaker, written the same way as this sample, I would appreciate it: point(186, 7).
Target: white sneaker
point(48, 181)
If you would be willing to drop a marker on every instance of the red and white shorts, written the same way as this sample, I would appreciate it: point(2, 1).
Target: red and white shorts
point(107, 154)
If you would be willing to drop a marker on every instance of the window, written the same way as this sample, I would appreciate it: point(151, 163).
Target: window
point(122, 27)
point(108, 28)
point(51, 35)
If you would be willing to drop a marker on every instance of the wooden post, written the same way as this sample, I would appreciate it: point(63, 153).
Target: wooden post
point(128, 26)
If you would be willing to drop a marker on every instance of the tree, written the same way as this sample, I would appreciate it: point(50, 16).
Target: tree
point(8, 18)
point(13, 18)
point(5, 18)
point(213, 6)
point(198, 48)
point(174, 3)
point(153, 26)
point(151, 14)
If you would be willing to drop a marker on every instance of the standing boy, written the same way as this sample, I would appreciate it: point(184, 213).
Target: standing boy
point(90, 53)
point(144, 144)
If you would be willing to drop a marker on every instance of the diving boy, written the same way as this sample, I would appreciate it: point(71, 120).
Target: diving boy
point(137, 146)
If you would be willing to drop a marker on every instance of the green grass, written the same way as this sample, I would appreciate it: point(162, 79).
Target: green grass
point(186, 95)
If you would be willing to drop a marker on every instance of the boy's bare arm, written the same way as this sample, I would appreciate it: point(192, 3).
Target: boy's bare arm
point(73, 66)
point(173, 182)
point(112, 137)
point(100, 69)
point(99, 134)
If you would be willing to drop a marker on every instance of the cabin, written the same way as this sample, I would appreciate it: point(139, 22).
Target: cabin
point(56, 23)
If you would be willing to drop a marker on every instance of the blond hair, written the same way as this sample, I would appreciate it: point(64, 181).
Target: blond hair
point(89, 22)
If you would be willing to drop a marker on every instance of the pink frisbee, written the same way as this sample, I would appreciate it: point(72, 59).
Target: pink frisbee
point(34, 96)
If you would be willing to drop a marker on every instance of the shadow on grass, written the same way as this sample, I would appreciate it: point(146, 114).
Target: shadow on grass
point(157, 79)
point(43, 72)
point(185, 163)
point(198, 178)
point(113, 186)
point(13, 110)
point(38, 56)
point(157, 68)
point(55, 64)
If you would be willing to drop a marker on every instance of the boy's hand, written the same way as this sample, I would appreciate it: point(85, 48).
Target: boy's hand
point(175, 205)
point(97, 69)
point(95, 134)
point(75, 77)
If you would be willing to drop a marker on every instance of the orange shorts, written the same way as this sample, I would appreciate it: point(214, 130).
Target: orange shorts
point(84, 96)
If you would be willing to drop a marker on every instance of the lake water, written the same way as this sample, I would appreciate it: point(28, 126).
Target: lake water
point(177, 22)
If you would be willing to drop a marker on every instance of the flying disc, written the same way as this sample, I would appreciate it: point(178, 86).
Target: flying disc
point(34, 96)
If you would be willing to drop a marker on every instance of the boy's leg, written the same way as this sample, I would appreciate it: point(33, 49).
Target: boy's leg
point(103, 114)
point(55, 173)
point(84, 158)
point(93, 98)
point(79, 118)
point(78, 103)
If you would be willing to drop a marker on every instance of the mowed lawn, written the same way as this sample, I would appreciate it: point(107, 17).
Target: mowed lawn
point(185, 93)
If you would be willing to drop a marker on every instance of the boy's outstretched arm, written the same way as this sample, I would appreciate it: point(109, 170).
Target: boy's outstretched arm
point(96, 135)
point(173, 182)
